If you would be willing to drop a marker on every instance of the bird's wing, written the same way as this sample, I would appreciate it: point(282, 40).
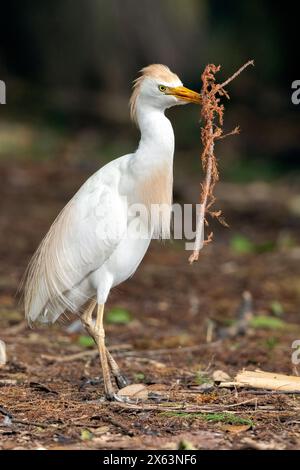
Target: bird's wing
point(80, 240)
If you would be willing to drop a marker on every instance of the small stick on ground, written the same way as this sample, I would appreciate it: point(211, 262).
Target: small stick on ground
point(259, 379)
point(126, 430)
point(212, 115)
point(83, 354)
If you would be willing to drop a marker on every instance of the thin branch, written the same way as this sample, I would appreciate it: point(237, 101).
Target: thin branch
point(234, 131)
point(222, 85)
point(83, 354)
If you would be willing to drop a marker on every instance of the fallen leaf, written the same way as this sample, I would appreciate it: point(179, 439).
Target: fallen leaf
point(220, 376)
point(236, 429)
point(134, 391)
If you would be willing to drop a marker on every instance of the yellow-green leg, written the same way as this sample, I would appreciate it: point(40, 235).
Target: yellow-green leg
point(96, 330)
point(100, 340)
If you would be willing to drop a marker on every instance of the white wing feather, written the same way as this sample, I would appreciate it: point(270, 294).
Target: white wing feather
point(80, 240)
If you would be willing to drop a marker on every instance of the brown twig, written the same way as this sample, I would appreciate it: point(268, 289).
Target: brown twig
point(212, 115)
point(235, 131)
point(270, 392)
point(83, 354)
point(157, 352)
point(117, 424)
point(70, 357)
point(32, 423)
point(195, 409)
point(250, 62)
point(14, 420)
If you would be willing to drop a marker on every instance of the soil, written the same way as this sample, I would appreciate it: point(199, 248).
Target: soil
point(173, 342)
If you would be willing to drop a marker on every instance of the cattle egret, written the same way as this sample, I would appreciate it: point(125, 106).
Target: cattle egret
point(94, 245)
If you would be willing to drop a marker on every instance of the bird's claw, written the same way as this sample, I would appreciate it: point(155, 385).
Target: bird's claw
point(121, 381)
point(118, 398)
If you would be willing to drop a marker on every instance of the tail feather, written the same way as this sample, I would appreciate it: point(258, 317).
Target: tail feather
point(50, 274)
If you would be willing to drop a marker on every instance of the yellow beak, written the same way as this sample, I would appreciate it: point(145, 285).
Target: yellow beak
point(184, 94)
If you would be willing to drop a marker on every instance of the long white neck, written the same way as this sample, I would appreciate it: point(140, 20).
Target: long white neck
point(157, 137)
point(152, 166)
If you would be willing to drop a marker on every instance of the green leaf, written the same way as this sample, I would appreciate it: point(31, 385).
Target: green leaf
point(86, 341)
point(201, 379)
point(271, 343)
point(265, 247)
point(241, 244)
point(118, 316)
point(277, 308)
point(186, 445)
point(86, 435)
point(267, 323)
point(139, 376)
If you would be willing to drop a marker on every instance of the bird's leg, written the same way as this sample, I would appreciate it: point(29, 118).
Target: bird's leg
point(90, 325)
point(119, 377)
point(87, 316)
point(100, 340)
point(87, 319)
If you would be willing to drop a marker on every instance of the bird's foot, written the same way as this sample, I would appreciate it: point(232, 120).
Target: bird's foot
point(115, 397)
point(121, 381)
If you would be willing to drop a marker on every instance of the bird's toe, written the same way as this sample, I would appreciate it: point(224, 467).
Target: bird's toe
point(116, 397)
point(122, 381)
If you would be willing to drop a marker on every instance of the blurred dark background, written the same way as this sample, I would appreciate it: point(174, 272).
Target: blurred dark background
point(68, 68)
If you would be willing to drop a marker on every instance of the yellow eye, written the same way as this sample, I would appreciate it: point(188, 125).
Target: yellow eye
point(162, 88)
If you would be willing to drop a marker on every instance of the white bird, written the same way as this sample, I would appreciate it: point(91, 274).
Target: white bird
point(99, 238)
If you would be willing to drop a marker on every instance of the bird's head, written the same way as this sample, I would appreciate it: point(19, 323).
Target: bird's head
point(158, 87)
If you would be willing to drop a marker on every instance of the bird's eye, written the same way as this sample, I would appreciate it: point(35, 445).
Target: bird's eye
point(162, 88)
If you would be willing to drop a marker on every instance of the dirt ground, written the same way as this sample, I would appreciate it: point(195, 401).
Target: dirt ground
point(173, 340)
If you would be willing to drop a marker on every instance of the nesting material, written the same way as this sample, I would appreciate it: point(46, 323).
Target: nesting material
point(212, 115)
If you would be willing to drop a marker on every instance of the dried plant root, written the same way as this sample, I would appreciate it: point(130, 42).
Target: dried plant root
point(212, 116)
